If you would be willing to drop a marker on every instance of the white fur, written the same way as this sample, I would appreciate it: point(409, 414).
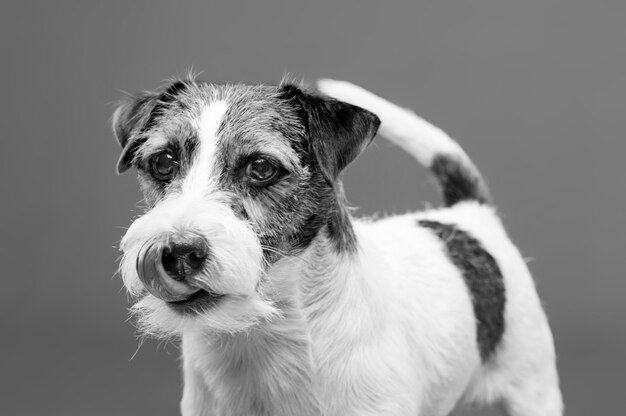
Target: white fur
point(198, 180)
point(389, 330)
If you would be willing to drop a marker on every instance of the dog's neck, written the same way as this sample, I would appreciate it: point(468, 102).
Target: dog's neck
point(274, 367)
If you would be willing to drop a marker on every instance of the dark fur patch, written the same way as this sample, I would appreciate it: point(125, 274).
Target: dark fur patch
point(458, 181)
point(337, 132)
point(484, 281)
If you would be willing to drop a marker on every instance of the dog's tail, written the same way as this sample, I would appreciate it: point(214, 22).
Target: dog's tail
point(459, 179)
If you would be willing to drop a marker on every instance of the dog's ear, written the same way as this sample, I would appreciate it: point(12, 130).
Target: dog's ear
point(337, 131)
point(129, 118)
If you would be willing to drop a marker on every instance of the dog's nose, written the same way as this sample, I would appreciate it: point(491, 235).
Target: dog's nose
point(184, 258)
point(166, 267)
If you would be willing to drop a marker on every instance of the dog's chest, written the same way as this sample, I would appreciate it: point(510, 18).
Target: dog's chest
point(257, 373)
point(285, 376)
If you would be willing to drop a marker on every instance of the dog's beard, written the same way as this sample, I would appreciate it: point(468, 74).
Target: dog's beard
point(233, 313)
point(234, 269)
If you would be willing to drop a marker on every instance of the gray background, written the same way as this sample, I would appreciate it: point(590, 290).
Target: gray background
point(535, 90)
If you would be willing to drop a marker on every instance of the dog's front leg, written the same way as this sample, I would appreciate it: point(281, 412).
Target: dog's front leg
point(197, 399)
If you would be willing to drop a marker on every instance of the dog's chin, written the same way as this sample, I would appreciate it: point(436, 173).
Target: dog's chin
point(204, 311)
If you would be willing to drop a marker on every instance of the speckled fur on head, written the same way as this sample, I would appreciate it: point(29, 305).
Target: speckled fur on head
point(311, 136)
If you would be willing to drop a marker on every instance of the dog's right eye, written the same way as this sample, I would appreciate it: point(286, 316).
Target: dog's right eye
point(163, 166)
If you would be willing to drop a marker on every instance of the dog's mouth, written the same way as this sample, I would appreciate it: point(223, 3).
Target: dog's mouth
point(197, 302)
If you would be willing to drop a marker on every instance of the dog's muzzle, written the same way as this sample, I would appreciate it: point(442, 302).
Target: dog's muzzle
point(167, 266)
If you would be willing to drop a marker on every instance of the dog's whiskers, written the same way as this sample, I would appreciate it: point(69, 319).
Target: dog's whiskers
point(141, 340)
point(284, 254)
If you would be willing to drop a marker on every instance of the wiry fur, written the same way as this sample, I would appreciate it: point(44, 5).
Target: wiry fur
point(324, 314)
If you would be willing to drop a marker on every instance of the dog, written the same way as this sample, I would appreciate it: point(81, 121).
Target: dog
point(285, 304)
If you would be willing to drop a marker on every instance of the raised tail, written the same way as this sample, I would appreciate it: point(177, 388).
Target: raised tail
point(459, 179)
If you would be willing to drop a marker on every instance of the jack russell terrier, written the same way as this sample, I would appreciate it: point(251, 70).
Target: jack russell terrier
point(288, 305)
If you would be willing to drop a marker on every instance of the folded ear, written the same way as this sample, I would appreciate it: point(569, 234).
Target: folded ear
point(129, 119)
point(337, 131)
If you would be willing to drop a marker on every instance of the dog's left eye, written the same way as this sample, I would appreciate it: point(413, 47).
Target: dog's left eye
point(261, 171)
point(163, 166)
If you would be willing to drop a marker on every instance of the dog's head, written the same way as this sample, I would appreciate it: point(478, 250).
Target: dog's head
point(235, 178)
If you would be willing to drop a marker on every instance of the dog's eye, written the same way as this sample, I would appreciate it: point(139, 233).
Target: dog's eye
point(163, 166)
point(261, 171)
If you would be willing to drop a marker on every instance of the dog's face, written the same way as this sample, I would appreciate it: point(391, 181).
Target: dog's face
point(235, 178)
